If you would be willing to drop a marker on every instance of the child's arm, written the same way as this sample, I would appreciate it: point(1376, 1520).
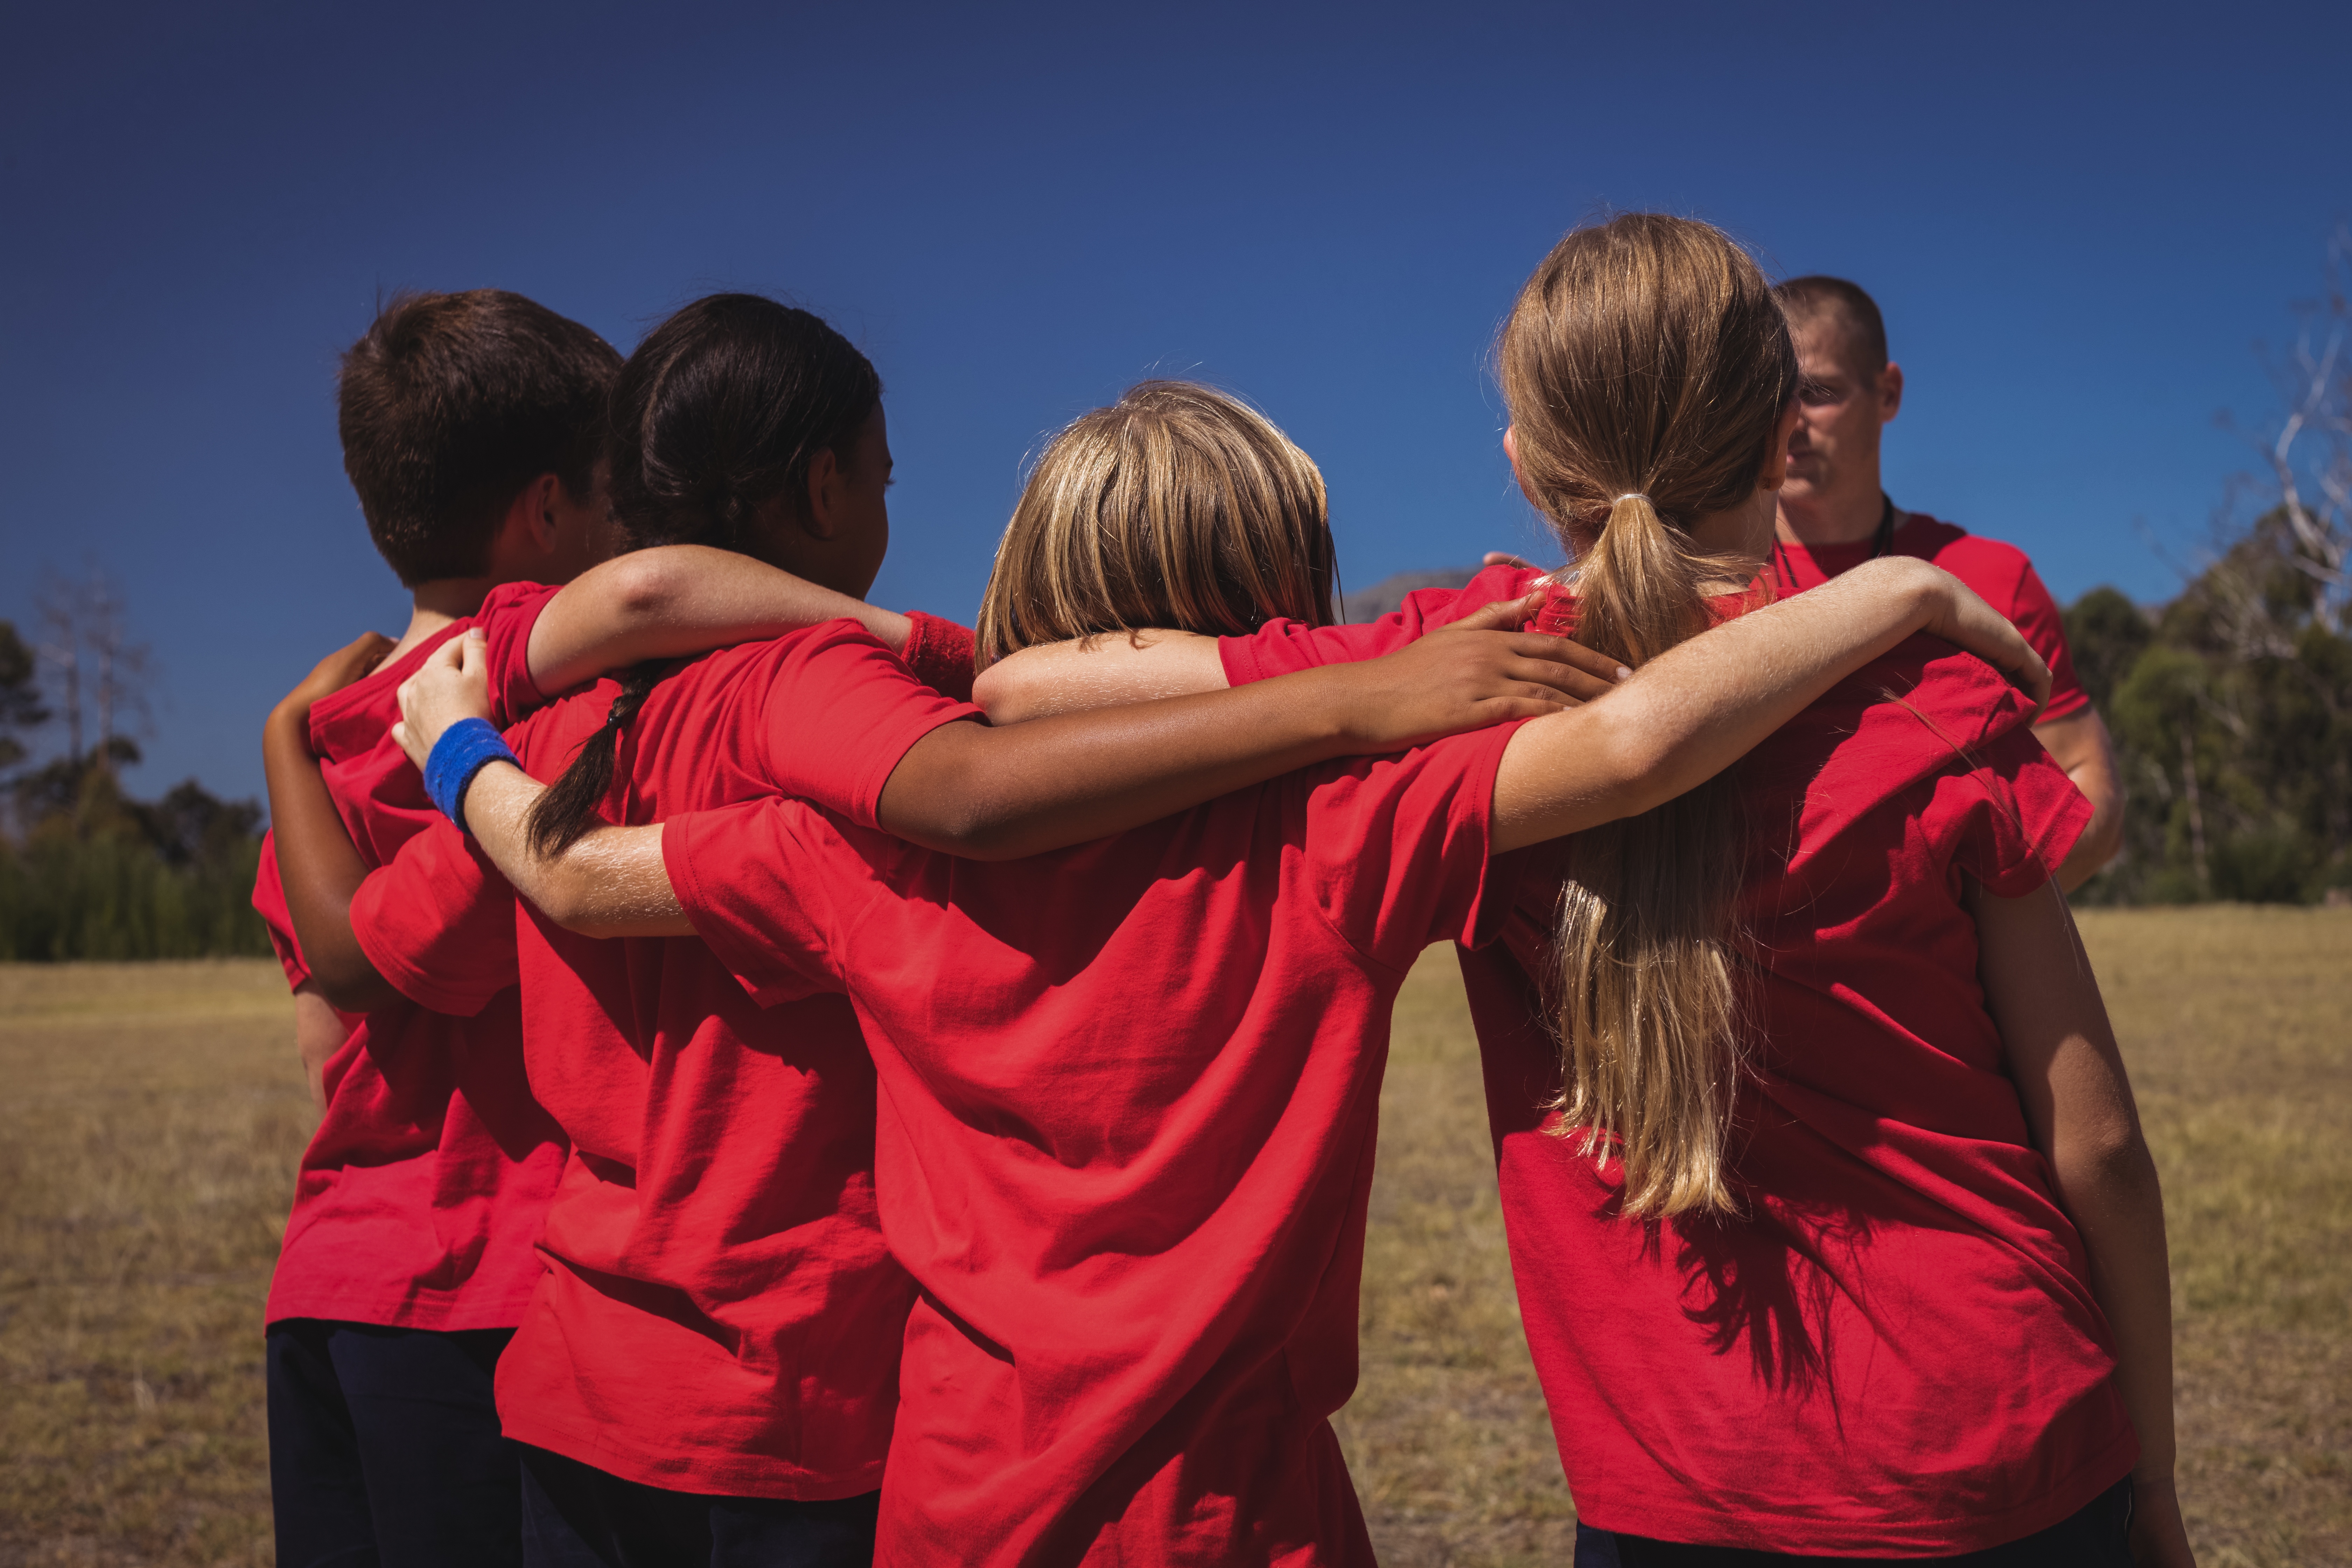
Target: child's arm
point(2078, 1102)
point(989, 794)
point(677, 600)
point(1095, 672)
point(1091, 673)
point(317, 862)
point(1698, 708)
point(319, 1034)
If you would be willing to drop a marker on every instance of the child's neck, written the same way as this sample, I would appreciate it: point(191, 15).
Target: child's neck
point(433, 605)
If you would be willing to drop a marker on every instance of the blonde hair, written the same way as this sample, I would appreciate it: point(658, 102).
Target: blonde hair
point(1177, 506)
point(1646, 364)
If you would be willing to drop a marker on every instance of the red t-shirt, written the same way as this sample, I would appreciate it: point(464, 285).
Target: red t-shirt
point(1898, 1352)
point(418, 1202)
point(1128, 1098)
point(2000, 574)
point(720, 1314)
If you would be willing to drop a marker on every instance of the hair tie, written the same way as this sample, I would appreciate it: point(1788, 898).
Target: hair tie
point(1634, 495)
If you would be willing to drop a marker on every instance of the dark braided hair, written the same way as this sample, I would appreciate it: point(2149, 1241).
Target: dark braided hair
point(720, 411)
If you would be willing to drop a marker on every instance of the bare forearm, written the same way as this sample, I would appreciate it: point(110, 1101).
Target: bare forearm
point(2117, 1203)
point(676, 601)
point(611, 882)
point(1099, 672)
point(319, 867)
point(1695, 711)
point(1001, 794)
point(319, 1034)
point(2060, 1053)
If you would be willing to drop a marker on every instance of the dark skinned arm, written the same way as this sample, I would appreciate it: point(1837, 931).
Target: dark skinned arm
point(317, 863)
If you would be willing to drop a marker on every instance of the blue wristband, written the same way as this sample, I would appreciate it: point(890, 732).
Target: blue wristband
point(464, 749)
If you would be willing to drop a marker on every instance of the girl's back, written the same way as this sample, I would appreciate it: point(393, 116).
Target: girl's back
point(1129, 1093)
point(1894, 1350)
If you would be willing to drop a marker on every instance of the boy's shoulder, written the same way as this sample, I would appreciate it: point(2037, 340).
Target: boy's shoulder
point(1878, 742)
point(349, 725)
point(1990, 566)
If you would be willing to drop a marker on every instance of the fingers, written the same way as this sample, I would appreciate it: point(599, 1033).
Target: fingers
point(1503, 615)
point(1505, 710)
point(474, 659)
point(450, 655)
point(1580, 684)
point(1504, 558)
point(1563, 650)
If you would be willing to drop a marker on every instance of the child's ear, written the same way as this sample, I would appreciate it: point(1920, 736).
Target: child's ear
point(532, 519)
point(1776, 463)
point(1511, 451)
point(826, 493)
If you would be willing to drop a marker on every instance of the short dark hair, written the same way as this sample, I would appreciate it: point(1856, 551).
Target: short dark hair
point(1803, 298)
point(449, 404)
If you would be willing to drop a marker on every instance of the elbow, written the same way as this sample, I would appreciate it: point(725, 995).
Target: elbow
point(349, 982)
point(976, 826)
point(566, 900)
point(2111, 1162)
point(992, 692)
point(985, 835)
point(644, 586)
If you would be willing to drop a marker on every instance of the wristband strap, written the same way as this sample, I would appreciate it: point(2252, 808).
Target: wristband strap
point(464, 749)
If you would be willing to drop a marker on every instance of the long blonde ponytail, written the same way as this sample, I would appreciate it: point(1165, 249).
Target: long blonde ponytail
point(1645, 365)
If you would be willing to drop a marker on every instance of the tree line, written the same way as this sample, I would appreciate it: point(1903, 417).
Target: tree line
point(88, 869)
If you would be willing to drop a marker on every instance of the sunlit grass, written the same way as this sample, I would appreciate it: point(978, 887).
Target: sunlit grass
point(149, 1128)
point(151, 1116)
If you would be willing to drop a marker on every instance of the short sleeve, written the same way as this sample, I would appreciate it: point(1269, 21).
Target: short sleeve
point(1285, 647)
point(756, 881)
point(438, 923)
point(2036, 617)
point(840, 713)
point(2013, 816)
point(270, 903)
point(1400, 845)
point(507, 617)
point(939, 653)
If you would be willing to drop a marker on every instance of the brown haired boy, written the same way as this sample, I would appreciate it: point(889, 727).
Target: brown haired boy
point(469, 425)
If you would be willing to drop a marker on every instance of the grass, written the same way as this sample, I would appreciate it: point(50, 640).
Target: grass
point(148, 1137)
point(154, 1114)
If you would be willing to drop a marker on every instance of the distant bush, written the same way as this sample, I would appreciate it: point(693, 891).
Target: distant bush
point(2231, 710)
point(99, 875)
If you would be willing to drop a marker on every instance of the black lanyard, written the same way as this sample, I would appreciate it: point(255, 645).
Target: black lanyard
point(1880, 544)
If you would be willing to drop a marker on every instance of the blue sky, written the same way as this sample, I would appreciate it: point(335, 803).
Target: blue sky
point(2080, 224)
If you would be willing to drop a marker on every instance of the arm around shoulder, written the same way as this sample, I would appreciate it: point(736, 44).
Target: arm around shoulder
point(1696, 709)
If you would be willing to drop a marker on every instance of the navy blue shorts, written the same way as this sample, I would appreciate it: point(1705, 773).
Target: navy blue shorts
point(385, 1450)
point(2094, 1537)
point(577, 1516)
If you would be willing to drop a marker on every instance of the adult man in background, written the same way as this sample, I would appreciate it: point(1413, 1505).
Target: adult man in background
point(1835, 516)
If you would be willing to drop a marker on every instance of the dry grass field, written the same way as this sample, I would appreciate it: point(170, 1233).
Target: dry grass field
point(152, 1115)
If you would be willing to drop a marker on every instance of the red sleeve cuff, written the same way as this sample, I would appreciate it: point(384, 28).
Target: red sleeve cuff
point(414, 982)
point(939, 653)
